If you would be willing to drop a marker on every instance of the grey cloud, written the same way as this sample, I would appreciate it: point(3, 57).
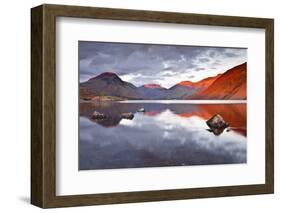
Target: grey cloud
point(168, 68)
point(203, 60)
point(147, 60)
point(199, 69)
point(231, 55)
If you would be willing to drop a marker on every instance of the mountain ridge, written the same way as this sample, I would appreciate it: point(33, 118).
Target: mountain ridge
point(230, 85)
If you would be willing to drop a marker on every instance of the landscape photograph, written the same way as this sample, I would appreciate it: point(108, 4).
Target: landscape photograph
point(155, 105)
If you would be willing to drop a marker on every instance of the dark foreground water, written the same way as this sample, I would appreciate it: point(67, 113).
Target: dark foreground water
point(164, 135)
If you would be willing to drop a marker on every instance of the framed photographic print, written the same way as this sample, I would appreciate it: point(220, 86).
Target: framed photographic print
point(136, 106)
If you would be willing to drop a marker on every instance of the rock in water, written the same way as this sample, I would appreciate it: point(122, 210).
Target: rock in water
point(141, 110)
point(217, 124)
point(98, 116)
point(128, 115)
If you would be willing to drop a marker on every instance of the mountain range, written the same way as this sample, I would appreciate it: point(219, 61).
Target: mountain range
point(230, 85)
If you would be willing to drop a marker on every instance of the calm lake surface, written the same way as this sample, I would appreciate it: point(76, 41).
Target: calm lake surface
point(166, 134)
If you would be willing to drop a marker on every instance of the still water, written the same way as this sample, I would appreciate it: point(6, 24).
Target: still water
point(166, 134)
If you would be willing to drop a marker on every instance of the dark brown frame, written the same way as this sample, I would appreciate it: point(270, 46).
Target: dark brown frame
point(43, 105)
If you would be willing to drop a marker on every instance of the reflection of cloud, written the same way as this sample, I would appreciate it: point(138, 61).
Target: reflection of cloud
point(169, 118)
point(131, 123)
point(161, 140)
point(141, 63)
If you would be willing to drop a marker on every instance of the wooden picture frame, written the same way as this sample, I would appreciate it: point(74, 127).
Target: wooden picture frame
point(43, 105)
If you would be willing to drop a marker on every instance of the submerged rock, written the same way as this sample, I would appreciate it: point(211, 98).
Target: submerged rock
point(141, 110)
point(217, 124)
point(98, 116)
point(128, 115)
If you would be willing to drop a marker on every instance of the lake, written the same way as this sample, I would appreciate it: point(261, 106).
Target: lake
point(166, 134)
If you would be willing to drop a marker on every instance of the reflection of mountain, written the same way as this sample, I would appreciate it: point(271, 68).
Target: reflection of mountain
point(233, 114)
point(230, 85)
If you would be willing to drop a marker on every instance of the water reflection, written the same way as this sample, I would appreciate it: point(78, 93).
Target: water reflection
point(163, 135)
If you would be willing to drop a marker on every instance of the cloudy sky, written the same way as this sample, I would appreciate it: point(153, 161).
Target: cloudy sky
point(161, 64)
